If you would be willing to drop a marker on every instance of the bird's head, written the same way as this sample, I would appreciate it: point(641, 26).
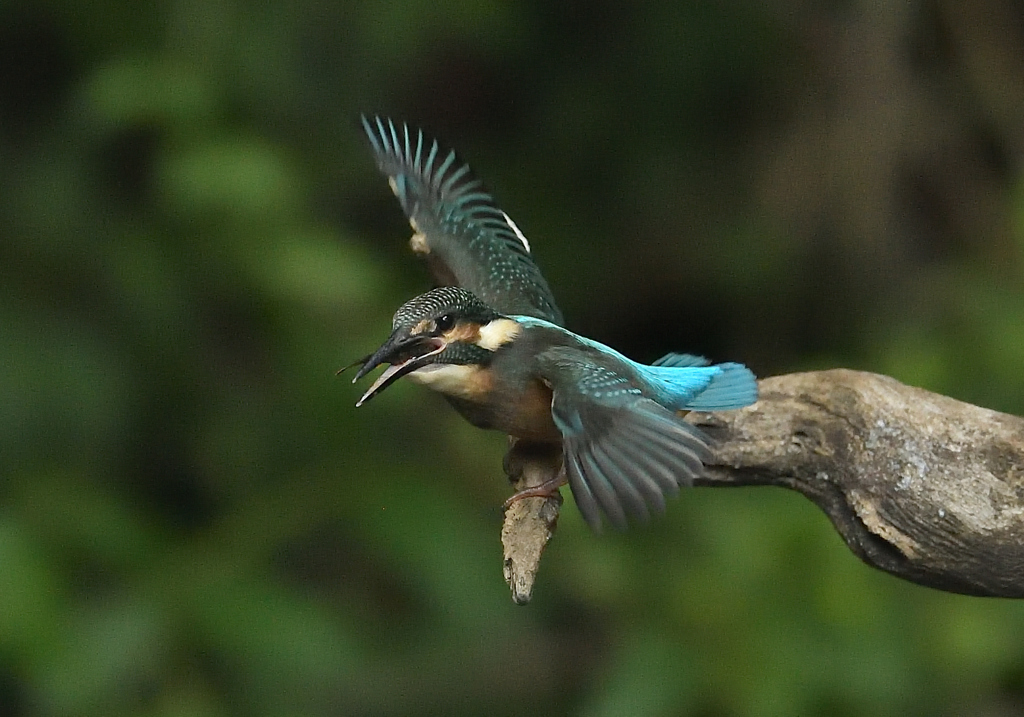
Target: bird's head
point(445, 326)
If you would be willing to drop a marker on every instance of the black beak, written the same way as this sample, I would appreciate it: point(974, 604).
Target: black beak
point(405, 353)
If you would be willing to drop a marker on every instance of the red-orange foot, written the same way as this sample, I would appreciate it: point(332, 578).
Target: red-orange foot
point(547, 489)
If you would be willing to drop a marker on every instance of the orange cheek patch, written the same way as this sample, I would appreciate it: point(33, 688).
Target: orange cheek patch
point(469, 333)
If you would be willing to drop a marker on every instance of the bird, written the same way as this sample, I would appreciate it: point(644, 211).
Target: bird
point(490, 339)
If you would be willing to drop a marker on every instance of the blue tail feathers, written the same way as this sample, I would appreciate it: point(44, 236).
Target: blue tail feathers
point(734, 387)
point(681, 360)
point(683, 382)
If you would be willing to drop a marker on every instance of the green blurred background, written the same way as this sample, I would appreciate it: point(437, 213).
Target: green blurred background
point(195, 520)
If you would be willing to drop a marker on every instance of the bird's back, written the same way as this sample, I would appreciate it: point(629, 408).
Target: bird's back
point(677, 382)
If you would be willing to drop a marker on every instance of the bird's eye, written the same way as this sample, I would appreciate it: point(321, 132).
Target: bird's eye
point(444, 323)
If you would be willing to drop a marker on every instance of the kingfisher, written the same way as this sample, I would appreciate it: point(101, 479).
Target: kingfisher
point(490, 339)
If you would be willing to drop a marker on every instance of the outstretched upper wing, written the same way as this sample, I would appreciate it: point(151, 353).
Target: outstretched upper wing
point(623, 453)
point(466, 239)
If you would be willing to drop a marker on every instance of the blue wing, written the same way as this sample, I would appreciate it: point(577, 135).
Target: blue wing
point(623, 452)
point(466, 239)
point(681, 382)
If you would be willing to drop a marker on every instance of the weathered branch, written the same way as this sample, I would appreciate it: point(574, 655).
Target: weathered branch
point(529, 522)
point(920, 485)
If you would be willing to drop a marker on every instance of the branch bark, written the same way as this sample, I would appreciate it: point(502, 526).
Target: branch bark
point(529, 522)
point(923, 486)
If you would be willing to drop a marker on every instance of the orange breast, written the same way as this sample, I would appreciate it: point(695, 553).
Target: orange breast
point(521, 410)
point(530, 416)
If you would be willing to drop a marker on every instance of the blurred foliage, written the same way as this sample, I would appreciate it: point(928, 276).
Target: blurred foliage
point(194, 520)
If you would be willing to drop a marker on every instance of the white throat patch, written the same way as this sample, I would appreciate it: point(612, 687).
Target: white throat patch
point(451, 379)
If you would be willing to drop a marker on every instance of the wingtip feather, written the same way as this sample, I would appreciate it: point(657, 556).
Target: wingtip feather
point(374, 143)
point(586, 503)
point(624, 484)
point(419, 152)
point(603, 491)
point(394, 137)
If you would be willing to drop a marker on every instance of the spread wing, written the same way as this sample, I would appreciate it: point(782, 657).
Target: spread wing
point(465, 238)
point(623, 453)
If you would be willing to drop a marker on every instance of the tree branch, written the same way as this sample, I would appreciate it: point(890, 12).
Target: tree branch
point(920, 485)
point(923, 486)
point(529, 522)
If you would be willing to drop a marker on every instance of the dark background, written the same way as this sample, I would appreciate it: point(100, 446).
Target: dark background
point(195, 520)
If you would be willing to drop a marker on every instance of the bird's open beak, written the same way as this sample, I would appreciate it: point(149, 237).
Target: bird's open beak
point(405, 353)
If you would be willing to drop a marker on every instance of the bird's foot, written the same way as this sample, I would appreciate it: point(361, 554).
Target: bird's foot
point(547, 489)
